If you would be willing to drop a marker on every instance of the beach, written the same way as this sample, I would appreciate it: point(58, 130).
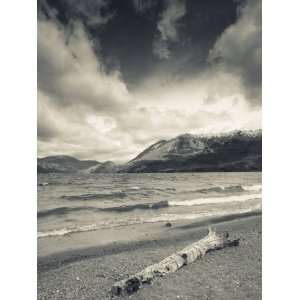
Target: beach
point(71, 272)
point(149, 137)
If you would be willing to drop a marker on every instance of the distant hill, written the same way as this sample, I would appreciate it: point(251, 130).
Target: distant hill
point(234, 151)
point(63, 164)
point(105, 167)
point(69, 164)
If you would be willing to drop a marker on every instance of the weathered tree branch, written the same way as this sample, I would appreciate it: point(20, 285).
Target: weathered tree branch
point(172, 263)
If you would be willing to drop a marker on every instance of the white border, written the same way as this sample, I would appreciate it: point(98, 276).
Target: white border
point(281, 150)
point(18, 150)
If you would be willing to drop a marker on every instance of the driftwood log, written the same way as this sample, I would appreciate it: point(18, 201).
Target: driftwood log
point(212, 241)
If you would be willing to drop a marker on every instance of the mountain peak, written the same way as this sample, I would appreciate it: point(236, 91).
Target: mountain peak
point(236, 150)
point(231, 151)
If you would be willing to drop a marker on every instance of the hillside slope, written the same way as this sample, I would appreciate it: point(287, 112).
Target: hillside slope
point(63, 164)
point(234, 151)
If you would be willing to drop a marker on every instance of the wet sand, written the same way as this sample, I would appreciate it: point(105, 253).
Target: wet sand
point(112, 255)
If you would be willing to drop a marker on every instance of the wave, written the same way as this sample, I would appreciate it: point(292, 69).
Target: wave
point(222, 189)
point(123, 208)
point(95, 196)
point(51, 183)
point(133, 188)
point(147, 191)
point(192, 216)
point(127, 192)
point(227, 189)
point(255, 187)
point(65, 231)
point(137, 221)
point(200, 201)
point(62, 211)
point(144, 206)
point(43, 183)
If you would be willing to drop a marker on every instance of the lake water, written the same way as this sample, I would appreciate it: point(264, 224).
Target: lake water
point(71, 203)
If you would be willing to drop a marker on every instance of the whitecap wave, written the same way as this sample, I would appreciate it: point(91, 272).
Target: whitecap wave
point(133, 188)
point(65, 231)
point(193, 216)
point(236, 198)
point(250, 188)
point(154, 219)
point(229, 189)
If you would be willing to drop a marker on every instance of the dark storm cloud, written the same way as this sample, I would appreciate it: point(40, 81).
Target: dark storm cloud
point(238, 49)
point(90, 12)
point(132, 41)
point(142, 6)
point(168, 27)
point(104, 94)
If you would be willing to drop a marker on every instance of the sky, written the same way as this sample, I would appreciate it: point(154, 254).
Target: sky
point(115, 76)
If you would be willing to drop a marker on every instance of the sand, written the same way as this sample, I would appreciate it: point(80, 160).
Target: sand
point(89, 273)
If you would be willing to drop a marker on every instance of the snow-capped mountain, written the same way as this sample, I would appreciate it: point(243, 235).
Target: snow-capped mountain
point(233, 151)
point(185, 144)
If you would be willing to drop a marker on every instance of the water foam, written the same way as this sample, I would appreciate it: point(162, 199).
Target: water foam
point(65, 231)
point(227, 189)
point(236, 198)
point(255, 187)
point(138, 221)
point(133, 188)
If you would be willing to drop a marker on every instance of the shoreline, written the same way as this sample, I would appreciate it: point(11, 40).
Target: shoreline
point(146, 233)
point(89, 273)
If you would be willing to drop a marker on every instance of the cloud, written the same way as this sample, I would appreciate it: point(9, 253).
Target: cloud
point(69, 71)
point(86, 111)
point(91, 12)
point(77, 132)
point(141, 6)
point(75, 95)
point(45, 11)
point(238, 49)
point(168, 28)
point(209, 102)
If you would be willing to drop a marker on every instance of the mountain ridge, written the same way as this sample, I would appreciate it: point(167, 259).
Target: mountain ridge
point(232, 151)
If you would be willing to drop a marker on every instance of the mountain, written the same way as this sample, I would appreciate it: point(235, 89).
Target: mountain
point(63, 164)
point(234, 151)
point(105, 167)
